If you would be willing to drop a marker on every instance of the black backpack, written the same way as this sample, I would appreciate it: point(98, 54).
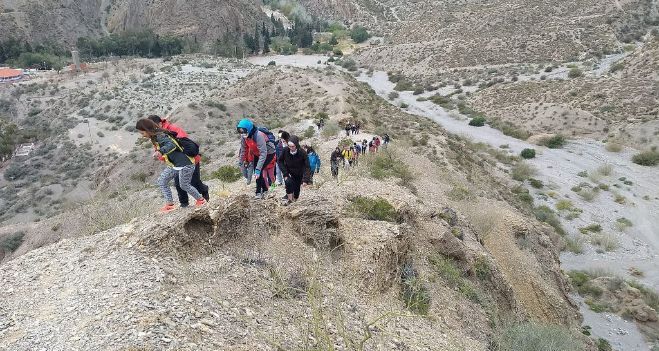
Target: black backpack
point(189, 147)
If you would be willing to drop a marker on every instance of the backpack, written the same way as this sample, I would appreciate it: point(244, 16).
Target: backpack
point(188, 146)
point(271, 137)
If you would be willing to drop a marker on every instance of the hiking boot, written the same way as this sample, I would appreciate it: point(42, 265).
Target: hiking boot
point(183, 205)
point(168, 208)
point(285, 201)
point(258, 196)
point(200, 202)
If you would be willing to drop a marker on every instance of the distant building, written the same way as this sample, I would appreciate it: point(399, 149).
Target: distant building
point(10, 75)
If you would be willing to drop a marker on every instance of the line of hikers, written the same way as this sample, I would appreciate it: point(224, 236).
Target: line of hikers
point(268, 160)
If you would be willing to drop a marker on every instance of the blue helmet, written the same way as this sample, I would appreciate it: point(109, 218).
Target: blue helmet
point(245, 126)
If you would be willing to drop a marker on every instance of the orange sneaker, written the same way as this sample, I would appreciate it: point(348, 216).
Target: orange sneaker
point(168, 208)
point(200, 202)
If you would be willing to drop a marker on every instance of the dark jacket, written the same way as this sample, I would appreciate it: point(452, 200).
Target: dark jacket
point(295, 165)
point(336, 156)
point(171, 151)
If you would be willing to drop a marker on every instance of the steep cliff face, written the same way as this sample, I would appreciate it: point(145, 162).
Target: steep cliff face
point(204, 20)
point(56, 20)
point(66, 20)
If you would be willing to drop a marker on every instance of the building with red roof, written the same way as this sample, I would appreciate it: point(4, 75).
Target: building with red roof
point(10, 75)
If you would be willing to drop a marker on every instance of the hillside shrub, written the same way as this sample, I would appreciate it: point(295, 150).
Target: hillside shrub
point(523, 171)
point(575, 73)
point(413, 292)
point(528, 153)
point(227, 174)
point(310, 132)
point(613, 147)
point(359, 34)
point(385, 164)
point(477, 121)
point(547, 215)
point(646, 158)
point(554, 142)
point(536, 337)
point(12, 242)
point(374, 209)
point(331, 129)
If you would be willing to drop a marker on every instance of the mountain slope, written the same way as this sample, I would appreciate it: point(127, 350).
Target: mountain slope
point(66, 20)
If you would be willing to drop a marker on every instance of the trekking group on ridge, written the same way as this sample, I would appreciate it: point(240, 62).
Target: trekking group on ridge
point(267, 160)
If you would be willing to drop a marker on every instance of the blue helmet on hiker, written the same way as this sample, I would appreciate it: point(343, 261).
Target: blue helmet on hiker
point(245, 126)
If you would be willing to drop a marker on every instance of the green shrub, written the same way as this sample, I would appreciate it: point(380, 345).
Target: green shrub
point(331, 129)
point(528, 153)
point(575, 73)
point(603, 345)
point(477, 121)
point(12, 242)
point(310, 132)
point(393, 95)
point(523, 171)
point(605, 241)
point(449, 271)
point(227, 174)
point(403, 85)
point(415, 295)
point(555, 142)
point(574, 245)
point(359, 34)
point(594, 228)
point(647, 158)
point(272, 63)
point(386, 164)
point(536, 183)
point(547, 215)
point(374, 209)
point(582, 282)
point(535, 337)
point(482, 269)
point(623, 223)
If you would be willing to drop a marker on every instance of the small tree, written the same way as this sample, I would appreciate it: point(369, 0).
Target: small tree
point(333, 41)
point(359, 34)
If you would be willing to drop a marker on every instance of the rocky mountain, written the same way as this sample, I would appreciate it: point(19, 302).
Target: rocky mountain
point(66, 20)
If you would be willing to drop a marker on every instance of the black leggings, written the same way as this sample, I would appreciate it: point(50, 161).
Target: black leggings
point(261, 184)
point(196, 183)
point(293, 185)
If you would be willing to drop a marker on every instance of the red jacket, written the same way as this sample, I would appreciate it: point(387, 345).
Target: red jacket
point(252, 153)
point(180, 133)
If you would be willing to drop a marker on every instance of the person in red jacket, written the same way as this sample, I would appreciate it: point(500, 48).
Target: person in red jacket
point(260, 143)
point(196, 176)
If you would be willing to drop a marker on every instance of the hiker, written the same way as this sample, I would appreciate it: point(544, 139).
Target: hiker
point(347, 156)
point(196, 181)
point(320, 124)
point(378, 142)
point(179, 165)
point(294, 165)
point(261, 144)
point(386, 139)
point(314, 161)
point(347, 128)
point(364, 146)
point(353, 129)
point(355, 156)
point(359, 127)
point(335, 159)
point(371, 146)
point(280, 145)
point(358, 148)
